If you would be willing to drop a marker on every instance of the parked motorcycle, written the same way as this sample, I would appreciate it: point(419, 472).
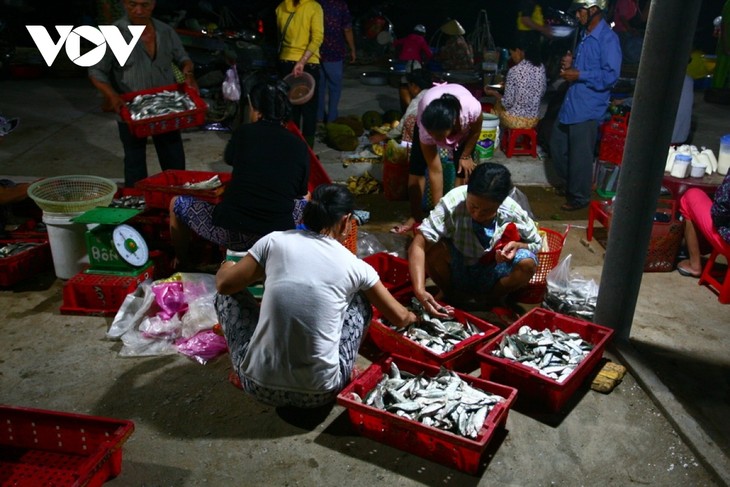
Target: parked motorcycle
point(218, 42)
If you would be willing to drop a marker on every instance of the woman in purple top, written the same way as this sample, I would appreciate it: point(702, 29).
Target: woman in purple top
point(332, 53)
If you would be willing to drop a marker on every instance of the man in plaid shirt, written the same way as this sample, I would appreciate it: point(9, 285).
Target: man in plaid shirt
point(476, 243)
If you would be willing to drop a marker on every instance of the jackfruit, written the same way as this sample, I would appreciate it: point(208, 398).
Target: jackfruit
point(341, 137)
point(353, 122)
point(345, 142)
point(370, 119)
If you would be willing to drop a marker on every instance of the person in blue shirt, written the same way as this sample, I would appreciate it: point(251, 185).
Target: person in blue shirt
point(591, 73)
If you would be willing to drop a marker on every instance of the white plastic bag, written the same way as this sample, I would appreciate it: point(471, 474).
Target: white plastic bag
point(570, 293)
point(159, 312)
point(231, 85)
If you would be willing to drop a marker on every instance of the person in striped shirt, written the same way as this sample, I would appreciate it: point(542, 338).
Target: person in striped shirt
point(476, 244)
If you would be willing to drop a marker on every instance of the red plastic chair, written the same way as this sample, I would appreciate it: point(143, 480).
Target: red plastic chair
point(708, 277)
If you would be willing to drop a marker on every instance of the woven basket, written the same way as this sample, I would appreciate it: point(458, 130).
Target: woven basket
point(351, 240)
point(72, 194)
point(546, 261)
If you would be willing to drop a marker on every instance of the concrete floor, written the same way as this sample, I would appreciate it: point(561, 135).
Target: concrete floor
point(665, 424)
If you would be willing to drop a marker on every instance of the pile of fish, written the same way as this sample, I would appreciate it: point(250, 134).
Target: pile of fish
point(445, 401)
point(554, 354)
point(579, 299)
point(8, 250)
point(436, 335)
point(212, 183)
point(158, 104)
point(128, 201)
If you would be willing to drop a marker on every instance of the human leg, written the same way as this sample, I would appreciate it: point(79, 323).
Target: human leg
point(357, 318)
point(188, 215)
point(335, 76)
point(404, 95)
point(416, 184)
point(439, 261)
point(135, 155)
point(179, 235)
point(514, 275)
point(238, 315)
point(699, 232)
point(580, 164)
point(309, 109)
point(170, 151)
point(322, 92)
point(559, 150)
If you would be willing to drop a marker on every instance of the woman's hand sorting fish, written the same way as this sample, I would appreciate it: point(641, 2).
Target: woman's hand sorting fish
point(433, 307)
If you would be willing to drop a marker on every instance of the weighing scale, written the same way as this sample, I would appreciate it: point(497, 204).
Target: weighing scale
point(114, 247)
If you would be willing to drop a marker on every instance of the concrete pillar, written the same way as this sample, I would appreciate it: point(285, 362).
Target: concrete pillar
point(664, 57)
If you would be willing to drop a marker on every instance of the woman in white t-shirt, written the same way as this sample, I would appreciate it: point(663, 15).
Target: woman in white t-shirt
point(299, 347)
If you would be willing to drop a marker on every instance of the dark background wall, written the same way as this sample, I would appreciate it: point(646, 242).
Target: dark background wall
point(403, 13)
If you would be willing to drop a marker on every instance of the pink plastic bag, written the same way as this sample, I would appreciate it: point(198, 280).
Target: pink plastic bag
point(202, 347)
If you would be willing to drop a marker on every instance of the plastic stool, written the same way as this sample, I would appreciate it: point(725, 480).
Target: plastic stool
point(721, 288)
point(527, 139)
point(596, 211)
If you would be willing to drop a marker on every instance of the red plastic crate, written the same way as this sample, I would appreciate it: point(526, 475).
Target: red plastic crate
point(461, 358)
point(169, 122)
point(24, 264)
point(159, 189)
point(408, 435)
point(41, 447)
point(393, 271)
point(533, 386)
point(99, 294)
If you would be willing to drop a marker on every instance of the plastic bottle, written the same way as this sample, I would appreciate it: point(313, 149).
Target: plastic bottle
point(680, 168)
point(723, 160)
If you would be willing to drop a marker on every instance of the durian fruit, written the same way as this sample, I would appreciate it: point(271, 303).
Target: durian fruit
point(370, 119)
point(341, 137)
point(352, 121)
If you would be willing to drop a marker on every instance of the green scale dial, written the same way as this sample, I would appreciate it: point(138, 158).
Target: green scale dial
point(113, 247)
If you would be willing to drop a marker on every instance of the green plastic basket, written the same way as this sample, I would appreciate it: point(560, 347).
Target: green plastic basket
point(72, 194)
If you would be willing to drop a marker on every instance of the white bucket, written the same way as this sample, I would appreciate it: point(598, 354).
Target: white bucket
point(487, 137)
point(68, 243)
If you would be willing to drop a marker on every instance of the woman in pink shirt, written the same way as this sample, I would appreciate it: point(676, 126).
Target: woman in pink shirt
point(414, 51)
point(448, 117)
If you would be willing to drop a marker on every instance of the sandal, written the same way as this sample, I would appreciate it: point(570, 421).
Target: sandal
point(684, 272)
point(573, 206)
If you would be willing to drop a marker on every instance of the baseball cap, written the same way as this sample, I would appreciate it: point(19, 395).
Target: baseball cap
point(420, 28)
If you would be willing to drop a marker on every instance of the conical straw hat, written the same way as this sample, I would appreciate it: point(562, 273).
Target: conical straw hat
point(453, 28)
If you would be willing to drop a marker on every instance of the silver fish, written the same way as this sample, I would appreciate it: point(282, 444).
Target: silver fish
point(444, 401)
point(554, 354)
